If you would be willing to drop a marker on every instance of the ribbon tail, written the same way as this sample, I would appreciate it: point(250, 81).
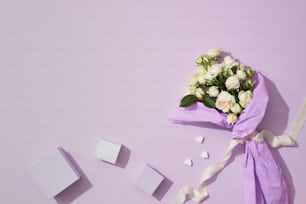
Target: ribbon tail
point(198, 195)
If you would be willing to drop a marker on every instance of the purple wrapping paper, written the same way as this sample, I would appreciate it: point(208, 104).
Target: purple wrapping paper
point(264, 182)
point(263, 178)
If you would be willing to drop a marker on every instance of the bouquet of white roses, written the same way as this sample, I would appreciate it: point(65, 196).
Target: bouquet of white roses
point(236, 97)
point(221, 83)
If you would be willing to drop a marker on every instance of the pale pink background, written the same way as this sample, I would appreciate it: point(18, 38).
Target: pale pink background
point(74, 71)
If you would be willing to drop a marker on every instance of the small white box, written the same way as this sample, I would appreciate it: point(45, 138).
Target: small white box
point(108, 151)
point(149, 180)
point(54, 173)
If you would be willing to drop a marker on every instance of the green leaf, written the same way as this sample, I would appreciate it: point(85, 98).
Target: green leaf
point(250, 73)
point(206, 61)
point(208, 101)
point(188, 100)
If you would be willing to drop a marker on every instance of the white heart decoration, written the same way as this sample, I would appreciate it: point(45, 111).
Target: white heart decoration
point(199, 139)
point(188, 162)
point(205, 155)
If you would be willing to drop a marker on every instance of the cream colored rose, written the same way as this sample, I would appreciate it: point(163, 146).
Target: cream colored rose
point(209, 76)
point(244, 98)
point(201, 70)
point(213, 52)
point(241, 75)
point(232, 83)
point(191, 90)
point(213, 91)
point(199, 93)
point(229, 61)
point(231, 118)
point(202, 78)
point(193, 80)
point(235, 108)
point(224, 101)
point(213, 71)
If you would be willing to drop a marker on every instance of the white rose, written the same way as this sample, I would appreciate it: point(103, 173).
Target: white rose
point(229, 61)
point(213, 71)
point(202, 78)
point(241, 74)
point(231, 118)
point(244, 98)
point(224, 101)
point(201, 70)
point(199, 93)
point(232, 83)
point(191, 90)
point(193, 80)
point(209, 76)
point(235, 108)
point(213, 91)
point(213, 52)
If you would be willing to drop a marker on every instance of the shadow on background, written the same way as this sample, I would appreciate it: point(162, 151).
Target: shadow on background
point(76, 189)
point(124, 157)
point(277, 113)
point(287, 175)
point(163, 188)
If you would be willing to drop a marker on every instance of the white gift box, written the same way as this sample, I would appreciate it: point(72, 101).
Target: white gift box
point(54, 173)
point(108, 151)
point(149, 180)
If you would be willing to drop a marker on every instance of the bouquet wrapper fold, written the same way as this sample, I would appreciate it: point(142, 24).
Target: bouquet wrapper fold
point(264, 182)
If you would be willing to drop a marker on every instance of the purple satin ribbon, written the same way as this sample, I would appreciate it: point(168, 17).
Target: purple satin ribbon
point(264, 181)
